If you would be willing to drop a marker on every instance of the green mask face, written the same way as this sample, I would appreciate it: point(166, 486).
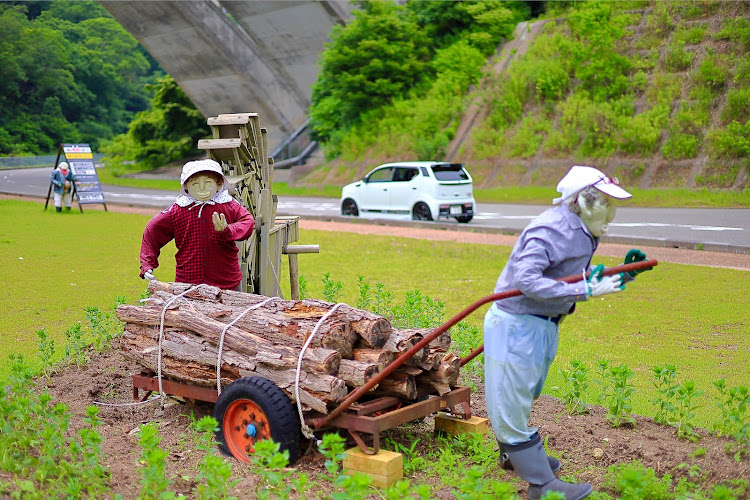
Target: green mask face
point(597, 216)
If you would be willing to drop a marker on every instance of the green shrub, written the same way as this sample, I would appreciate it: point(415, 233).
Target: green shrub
point(737, 107)
point(550, 79)
point(733, 142)
point(742, 72)
point(677, 58)
point(665, 89)
point(679, 146)
point(738, 31)
point(690, 36)
point(712, 72)
point(646, 62)
point(529, 136)
point(659, 25)
point(641, 133)
point(598, 31)
point(692, 118)
point(633, 480)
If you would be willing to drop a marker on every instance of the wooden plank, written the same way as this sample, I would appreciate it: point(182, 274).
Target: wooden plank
point(228, 120)
point(219, 143)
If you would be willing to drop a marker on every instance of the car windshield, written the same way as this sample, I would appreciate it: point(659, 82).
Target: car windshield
point(450, 172)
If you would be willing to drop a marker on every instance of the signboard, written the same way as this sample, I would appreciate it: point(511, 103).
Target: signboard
point(81, 161)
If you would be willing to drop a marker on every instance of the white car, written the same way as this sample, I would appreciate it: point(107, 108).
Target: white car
point(426, 190)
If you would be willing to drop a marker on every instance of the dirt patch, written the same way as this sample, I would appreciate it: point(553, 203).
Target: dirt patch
point(586, 444)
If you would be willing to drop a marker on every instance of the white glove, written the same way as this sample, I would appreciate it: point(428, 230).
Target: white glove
point(149, 275)
point(604, 285)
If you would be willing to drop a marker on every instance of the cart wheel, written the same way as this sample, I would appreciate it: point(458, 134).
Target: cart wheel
point(253, 408)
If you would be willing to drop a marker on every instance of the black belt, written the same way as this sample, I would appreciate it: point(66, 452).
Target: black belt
point(554, 319)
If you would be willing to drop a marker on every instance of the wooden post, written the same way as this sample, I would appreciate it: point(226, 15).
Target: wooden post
point(294, 276)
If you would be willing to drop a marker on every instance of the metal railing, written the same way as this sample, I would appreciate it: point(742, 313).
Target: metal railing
point(295, 148)
point(34, 161)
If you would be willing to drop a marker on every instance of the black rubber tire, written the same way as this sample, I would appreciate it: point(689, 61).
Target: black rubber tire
point(421, 212)
point(275, 404)
point(349, 207)
point(464, 219)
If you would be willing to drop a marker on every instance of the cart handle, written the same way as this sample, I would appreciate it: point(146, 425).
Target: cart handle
point(358, 393)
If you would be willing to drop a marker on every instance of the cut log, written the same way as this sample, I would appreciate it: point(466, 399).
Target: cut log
point(380, 357)
point(356, 373)
point(186, 358)
point(274, 325)
point(266, 337)
point(446, 374)
point(235, 338)
point(400, 341)
point(372, 328)
point(399, 384)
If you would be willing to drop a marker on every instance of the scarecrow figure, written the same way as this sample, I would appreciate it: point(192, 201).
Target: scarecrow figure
point(205, 221)
point(62, 181)
point(521, 333)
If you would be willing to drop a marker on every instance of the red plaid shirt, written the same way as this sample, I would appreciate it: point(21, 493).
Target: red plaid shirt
point(204, 255)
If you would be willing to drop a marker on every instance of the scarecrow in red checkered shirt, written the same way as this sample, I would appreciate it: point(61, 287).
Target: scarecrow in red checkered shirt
point(205, 221)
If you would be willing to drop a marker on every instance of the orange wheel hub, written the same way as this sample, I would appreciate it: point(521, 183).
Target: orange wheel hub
point(244, 424)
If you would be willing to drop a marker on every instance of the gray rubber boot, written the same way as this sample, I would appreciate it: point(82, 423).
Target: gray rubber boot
point(554, 463)
point(531, 464)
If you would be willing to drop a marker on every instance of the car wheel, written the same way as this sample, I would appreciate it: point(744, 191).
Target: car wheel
point(463, 219)
point(349, 207)
point(253, 408)
point(421, 212)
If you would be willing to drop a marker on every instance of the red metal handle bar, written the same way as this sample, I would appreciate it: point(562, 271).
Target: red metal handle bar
point(355, 395)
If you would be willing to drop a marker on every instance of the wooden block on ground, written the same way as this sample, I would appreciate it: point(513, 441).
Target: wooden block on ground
point(384, 468)
point(456, 425)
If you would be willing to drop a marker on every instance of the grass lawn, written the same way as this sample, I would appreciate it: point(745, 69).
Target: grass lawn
point(55, 265)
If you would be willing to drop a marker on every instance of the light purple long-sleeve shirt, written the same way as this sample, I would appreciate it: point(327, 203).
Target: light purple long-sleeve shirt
point(554, 245)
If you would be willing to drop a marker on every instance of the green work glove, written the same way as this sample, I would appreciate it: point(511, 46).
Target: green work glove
point(598, 285)
point(635, 255)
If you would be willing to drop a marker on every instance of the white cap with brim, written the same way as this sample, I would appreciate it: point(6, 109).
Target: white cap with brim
point(196, 166)
point(193, 167)
point(579, 178)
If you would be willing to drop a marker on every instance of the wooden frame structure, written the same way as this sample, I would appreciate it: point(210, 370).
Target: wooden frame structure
point(240, 145)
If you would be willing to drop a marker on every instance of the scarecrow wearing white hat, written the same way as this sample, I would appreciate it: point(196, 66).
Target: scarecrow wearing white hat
point(62, 183)
point(521, 333)
point(205, 221)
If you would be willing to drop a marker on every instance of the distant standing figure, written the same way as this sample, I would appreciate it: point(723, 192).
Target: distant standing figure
point(205, 221)
point(62, 181)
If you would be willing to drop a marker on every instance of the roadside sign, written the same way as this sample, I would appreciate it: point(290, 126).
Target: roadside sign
point(86, 187)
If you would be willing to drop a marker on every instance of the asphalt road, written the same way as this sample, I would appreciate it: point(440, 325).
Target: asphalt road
point(717, 229)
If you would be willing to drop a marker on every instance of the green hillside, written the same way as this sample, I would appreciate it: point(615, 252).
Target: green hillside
point(656, 93)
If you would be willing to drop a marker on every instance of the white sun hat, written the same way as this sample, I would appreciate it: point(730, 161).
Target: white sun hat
point(193, 167)
point(580, 177)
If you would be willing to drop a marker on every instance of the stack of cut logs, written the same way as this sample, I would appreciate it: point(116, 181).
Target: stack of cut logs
point(350, 347)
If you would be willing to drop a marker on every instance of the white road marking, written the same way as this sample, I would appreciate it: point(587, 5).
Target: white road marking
point(686, 226)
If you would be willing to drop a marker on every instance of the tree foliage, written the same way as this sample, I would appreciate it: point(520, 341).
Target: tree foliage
point(390, 55)
point(381, 54)
point(70, 73)
point(168, 131)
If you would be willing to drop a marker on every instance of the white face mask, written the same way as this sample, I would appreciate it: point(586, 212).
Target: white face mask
point(598, 216)
point(202, 187)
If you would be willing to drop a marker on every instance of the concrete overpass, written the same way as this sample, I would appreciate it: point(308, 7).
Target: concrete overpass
point(238, 56)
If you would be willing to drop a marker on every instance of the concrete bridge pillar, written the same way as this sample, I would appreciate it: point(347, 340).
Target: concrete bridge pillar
point(253, 56)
